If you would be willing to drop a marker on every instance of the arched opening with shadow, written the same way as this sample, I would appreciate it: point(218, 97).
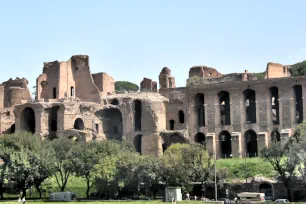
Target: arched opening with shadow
point(225, 139)
point(137, 143)
point(28, 120)
point(112, 126)
point(12, 129)
point(176, 138)
point(53, 118)
point(274, 105)
point(267, 189)
point(199, 109)
point(78, 124)
point(171, 123)
point(250, 137)
point(225, 108)
point(200, 138)
point(298, 99)
point(250, 105)
point(181, 116)
point(114, 102)
point(164, 146)
point(137, 115)
point(275, 136)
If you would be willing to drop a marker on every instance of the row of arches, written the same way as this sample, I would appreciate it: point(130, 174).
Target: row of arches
point(249, 98)
point(225, 142)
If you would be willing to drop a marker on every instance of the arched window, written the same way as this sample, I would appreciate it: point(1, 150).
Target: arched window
point(71, 91)
point(225, 139)
point(171, 122)
point(78, 124)
point(225, 109)
point(137, 115)
point(200, 138)
point(181, 116)
point(298, 96)
point(28, 120)
point(275, 136)
point(250, 105)
point(199, 108)
point(251, 143)
point(274, 105)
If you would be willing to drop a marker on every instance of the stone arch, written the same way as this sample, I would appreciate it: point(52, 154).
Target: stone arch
point(267, 188)
point(251, 145)
point(298, 100)
point(225, 139)
point(114, 102)
point(181, 116)
point(250, 105)
point(112, 126)
point(275, 136)
point(225, 108)
point(171, 123)
point(137, 114)
point(78, 124)
point(274, 97)
point(200, 138)
point(137, 143)
point(199, 109)
point(28, 120)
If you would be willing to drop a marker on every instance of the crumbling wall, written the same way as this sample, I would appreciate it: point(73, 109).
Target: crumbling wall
point(147, 85)
point(16, 92)
point(204, 72)
point(276, 70)
point(7, 121)
point(104, 82)
point(1, 96)
point(165, 79)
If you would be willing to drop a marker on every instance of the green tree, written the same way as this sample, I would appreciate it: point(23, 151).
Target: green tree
point(298, 69)
point(123, 86)
point(284, 156)
point(63, 155)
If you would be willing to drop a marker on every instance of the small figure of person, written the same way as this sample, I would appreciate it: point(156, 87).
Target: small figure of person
point(195, 197)
point(19, 200)
point(172, 200)
point(187, 196)
point(23, 200)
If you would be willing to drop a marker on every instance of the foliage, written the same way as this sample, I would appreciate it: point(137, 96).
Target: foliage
point(123, 86)
point(284, 156)
point(260, 75)
point(298, 69)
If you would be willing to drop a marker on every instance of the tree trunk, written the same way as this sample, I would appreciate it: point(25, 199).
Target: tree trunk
point(39, 191)
point(88, 188)
point(1, 191)
point(63, 188)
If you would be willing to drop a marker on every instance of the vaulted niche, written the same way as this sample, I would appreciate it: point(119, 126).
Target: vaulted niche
point(137, 115)
point(225, 139)
point(112, 126)
point(28, 120)
point(251, 143)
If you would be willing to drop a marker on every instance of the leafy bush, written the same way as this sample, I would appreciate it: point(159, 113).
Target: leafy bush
point(122, 86)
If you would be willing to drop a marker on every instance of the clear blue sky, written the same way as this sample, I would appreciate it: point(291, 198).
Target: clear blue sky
point(132, 39)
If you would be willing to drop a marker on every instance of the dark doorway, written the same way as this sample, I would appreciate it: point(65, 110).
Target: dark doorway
point(53, 118)
point(137, 115)
point(171, 123)
point(176, 138)
point(112, 126)
point(54, 93)
point(225, 139)
point(275, 136)
point(267, 189)
point(165, 147)
point(181, 116)
point(78, 124)
point(274, 105)
point(137, 143)
point(200, 138)
point(115, 102)
point(251, 143)
point(225, 109)
point(250, 105)
point(199, 108)
point(298, 96)
point(28, 120)
point(12, 129)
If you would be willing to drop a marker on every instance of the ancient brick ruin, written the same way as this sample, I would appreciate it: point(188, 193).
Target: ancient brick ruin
point(233, 115)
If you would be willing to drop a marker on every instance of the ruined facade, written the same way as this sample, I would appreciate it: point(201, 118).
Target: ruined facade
point(232, 115)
